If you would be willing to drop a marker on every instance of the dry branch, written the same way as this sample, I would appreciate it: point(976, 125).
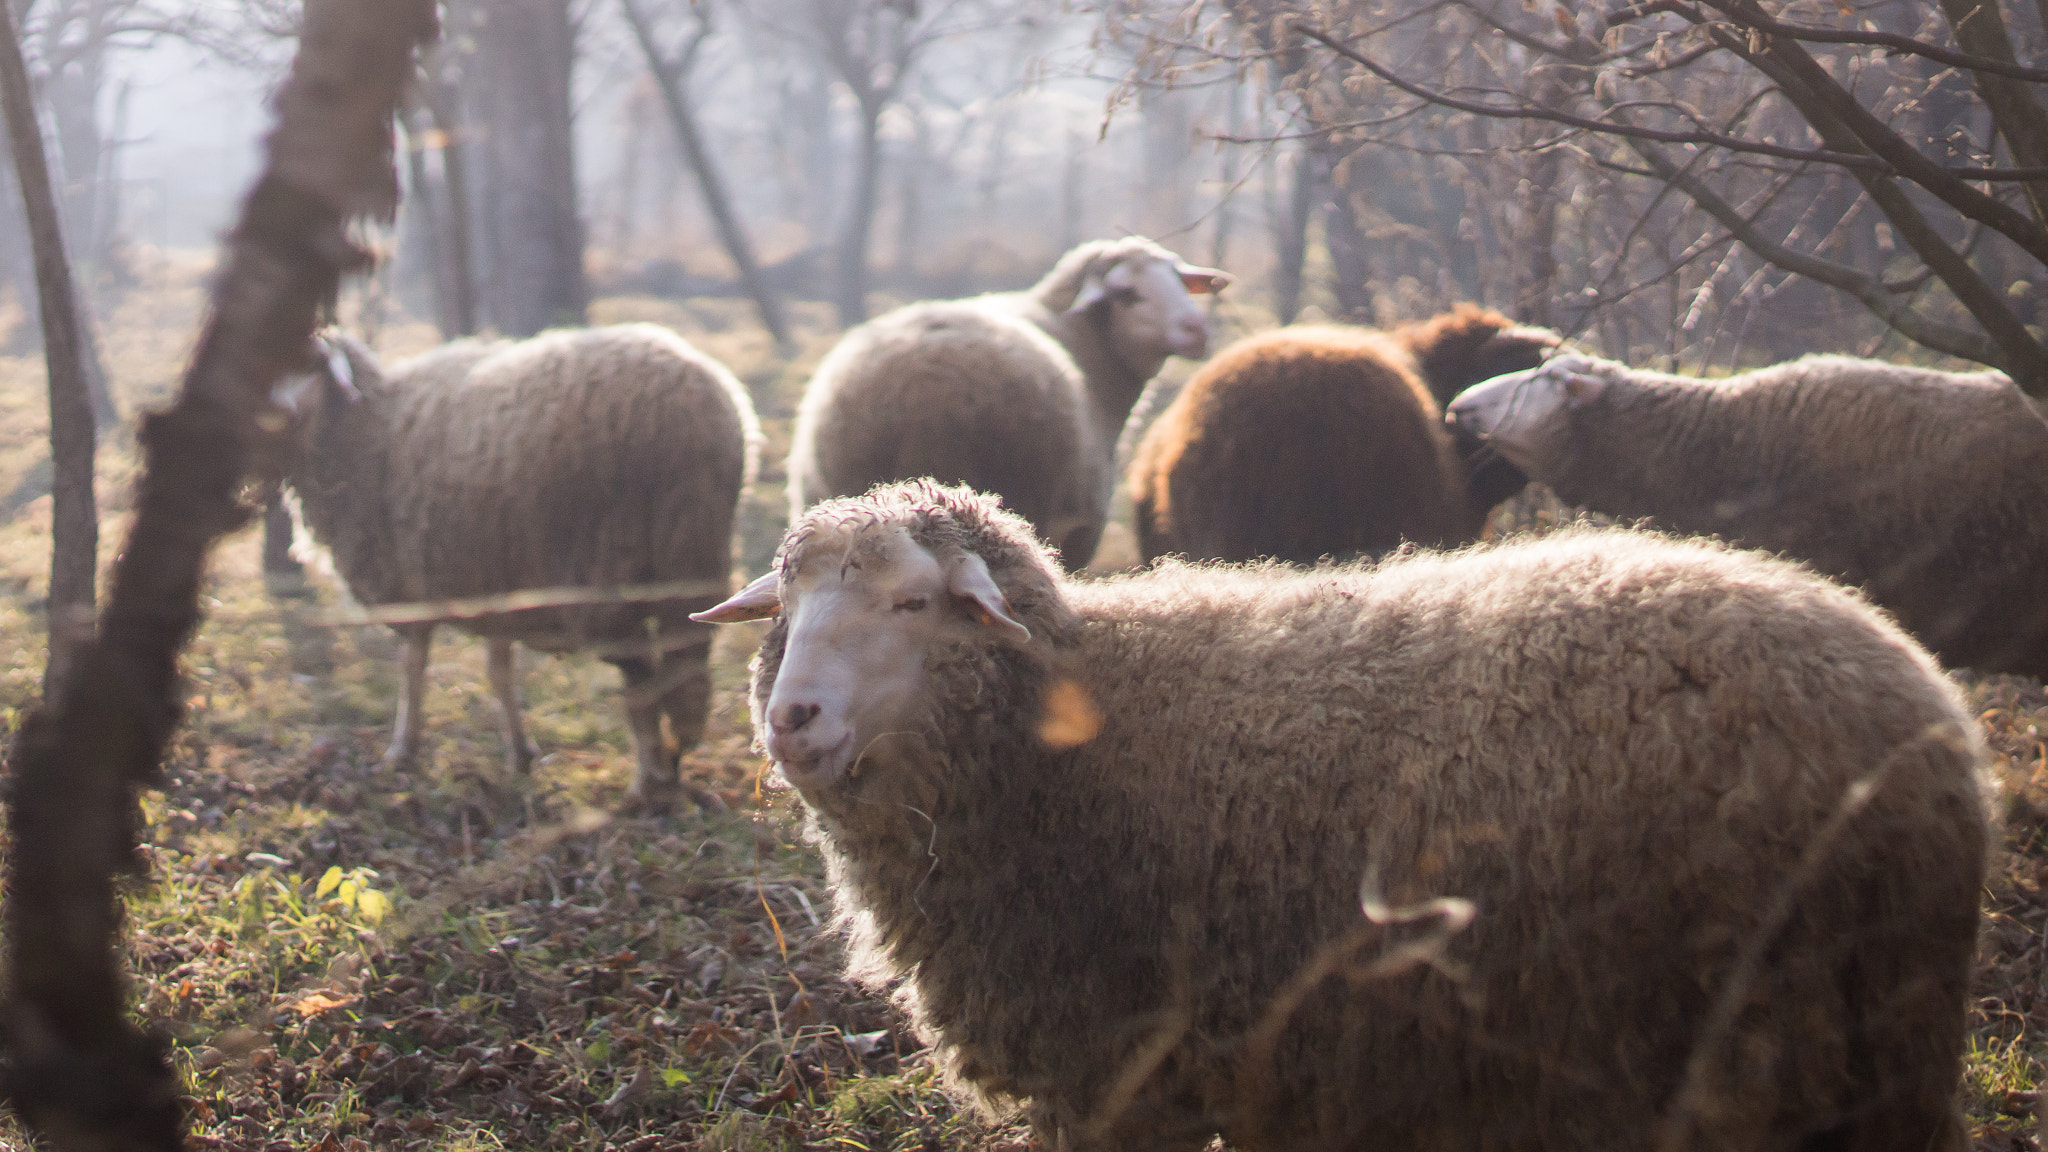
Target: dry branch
point(78, 1071)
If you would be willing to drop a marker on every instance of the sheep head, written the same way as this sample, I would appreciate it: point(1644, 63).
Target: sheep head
point(298, 399)
point(1148, 293)
point(1523, 415)
point(873, 593)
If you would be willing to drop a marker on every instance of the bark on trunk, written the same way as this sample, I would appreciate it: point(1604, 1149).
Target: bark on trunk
point(74, 530)
point(1293, 238)
point(851, 290)
point(525, 52)
point(81, 1076)
point(1350, 258)
point(442, 105)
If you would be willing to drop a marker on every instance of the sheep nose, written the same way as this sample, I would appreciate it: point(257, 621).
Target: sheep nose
point(792, 717)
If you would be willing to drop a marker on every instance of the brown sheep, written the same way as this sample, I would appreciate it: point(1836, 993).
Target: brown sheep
point(1925, 488)
point(1604, 840)
point(596, 457)
point(1018, 393)
point(1309, 442)
point(1456, 349)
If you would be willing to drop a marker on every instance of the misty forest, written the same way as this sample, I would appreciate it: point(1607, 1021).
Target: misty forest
point(1518, 616)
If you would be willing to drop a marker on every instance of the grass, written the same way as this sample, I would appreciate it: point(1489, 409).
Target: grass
point(347, 957)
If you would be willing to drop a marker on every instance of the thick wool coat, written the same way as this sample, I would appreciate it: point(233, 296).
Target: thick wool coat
point(1719, 825)
point(1925, 488)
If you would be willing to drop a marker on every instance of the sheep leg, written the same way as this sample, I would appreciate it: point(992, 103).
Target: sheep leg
point(504, 676)
point(688, 705)
point(412, 696)
point(654, 766)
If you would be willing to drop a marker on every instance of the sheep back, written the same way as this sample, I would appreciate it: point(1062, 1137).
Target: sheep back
point(967, 392)
point(1721, 823)
point(1298, 444)
point(594, 457)
point(1924, 487)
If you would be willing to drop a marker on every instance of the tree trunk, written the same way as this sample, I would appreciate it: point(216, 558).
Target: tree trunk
point(717, 201)
point(441, 101)
point(74, 532)
point(420, 222)
point(851, 290)
point(1350, 260)
point(1293, 238)
point(525, 52)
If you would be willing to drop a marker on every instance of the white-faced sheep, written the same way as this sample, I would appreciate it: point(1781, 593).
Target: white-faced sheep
point(587, 458)
point(1313, 441)
point(1017, 393)
point(1926, 488)
point(1587, 842)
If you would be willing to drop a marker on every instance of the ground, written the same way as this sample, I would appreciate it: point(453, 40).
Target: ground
point(345, 956)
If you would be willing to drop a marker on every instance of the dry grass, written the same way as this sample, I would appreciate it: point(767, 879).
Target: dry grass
point(350, 958)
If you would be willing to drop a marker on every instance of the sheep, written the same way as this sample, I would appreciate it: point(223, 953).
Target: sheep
point(599, 457)
point(1456, 349)
point(1021, 393)
point(1578, 842)
point(1315, 441)
point(1923, 487)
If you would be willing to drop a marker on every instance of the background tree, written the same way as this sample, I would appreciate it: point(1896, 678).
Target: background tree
point(671, 72)
point(517, 81)
point(1718, 154)
point(74, 530)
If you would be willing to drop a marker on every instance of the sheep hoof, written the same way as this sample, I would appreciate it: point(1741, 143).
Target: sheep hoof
point(401, 759)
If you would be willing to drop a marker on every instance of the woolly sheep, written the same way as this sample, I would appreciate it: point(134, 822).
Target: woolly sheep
point(1926, 488)
point(597, 457)
point(1018, 393)
point(1456, 349)
point(1585, 842)
point(1314, 441)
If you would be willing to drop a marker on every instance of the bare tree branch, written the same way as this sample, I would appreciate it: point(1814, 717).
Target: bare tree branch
point(1872, 292)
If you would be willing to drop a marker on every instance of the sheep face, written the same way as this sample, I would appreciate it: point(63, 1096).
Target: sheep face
point(299, 399)
point(1150, 301)
point(1522, 415)
point(862, 604)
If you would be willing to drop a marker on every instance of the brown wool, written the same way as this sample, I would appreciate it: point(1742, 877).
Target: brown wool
point(1311, 442)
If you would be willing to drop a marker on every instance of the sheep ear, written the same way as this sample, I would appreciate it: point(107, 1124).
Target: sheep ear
point(338, 367)
point(1581, 388)
point(1097, 286)
point(1202, 281)
point(968, 579)
point(757, 601)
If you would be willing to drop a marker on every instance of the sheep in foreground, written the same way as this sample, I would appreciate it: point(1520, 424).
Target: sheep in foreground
point(1926, 488)
point(1018, 393)
point(588, 458)
point(1315, 441)
point(1604, 840)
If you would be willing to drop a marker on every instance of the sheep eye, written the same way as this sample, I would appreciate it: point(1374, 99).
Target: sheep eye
point(1124, 295)
point(912, 604)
